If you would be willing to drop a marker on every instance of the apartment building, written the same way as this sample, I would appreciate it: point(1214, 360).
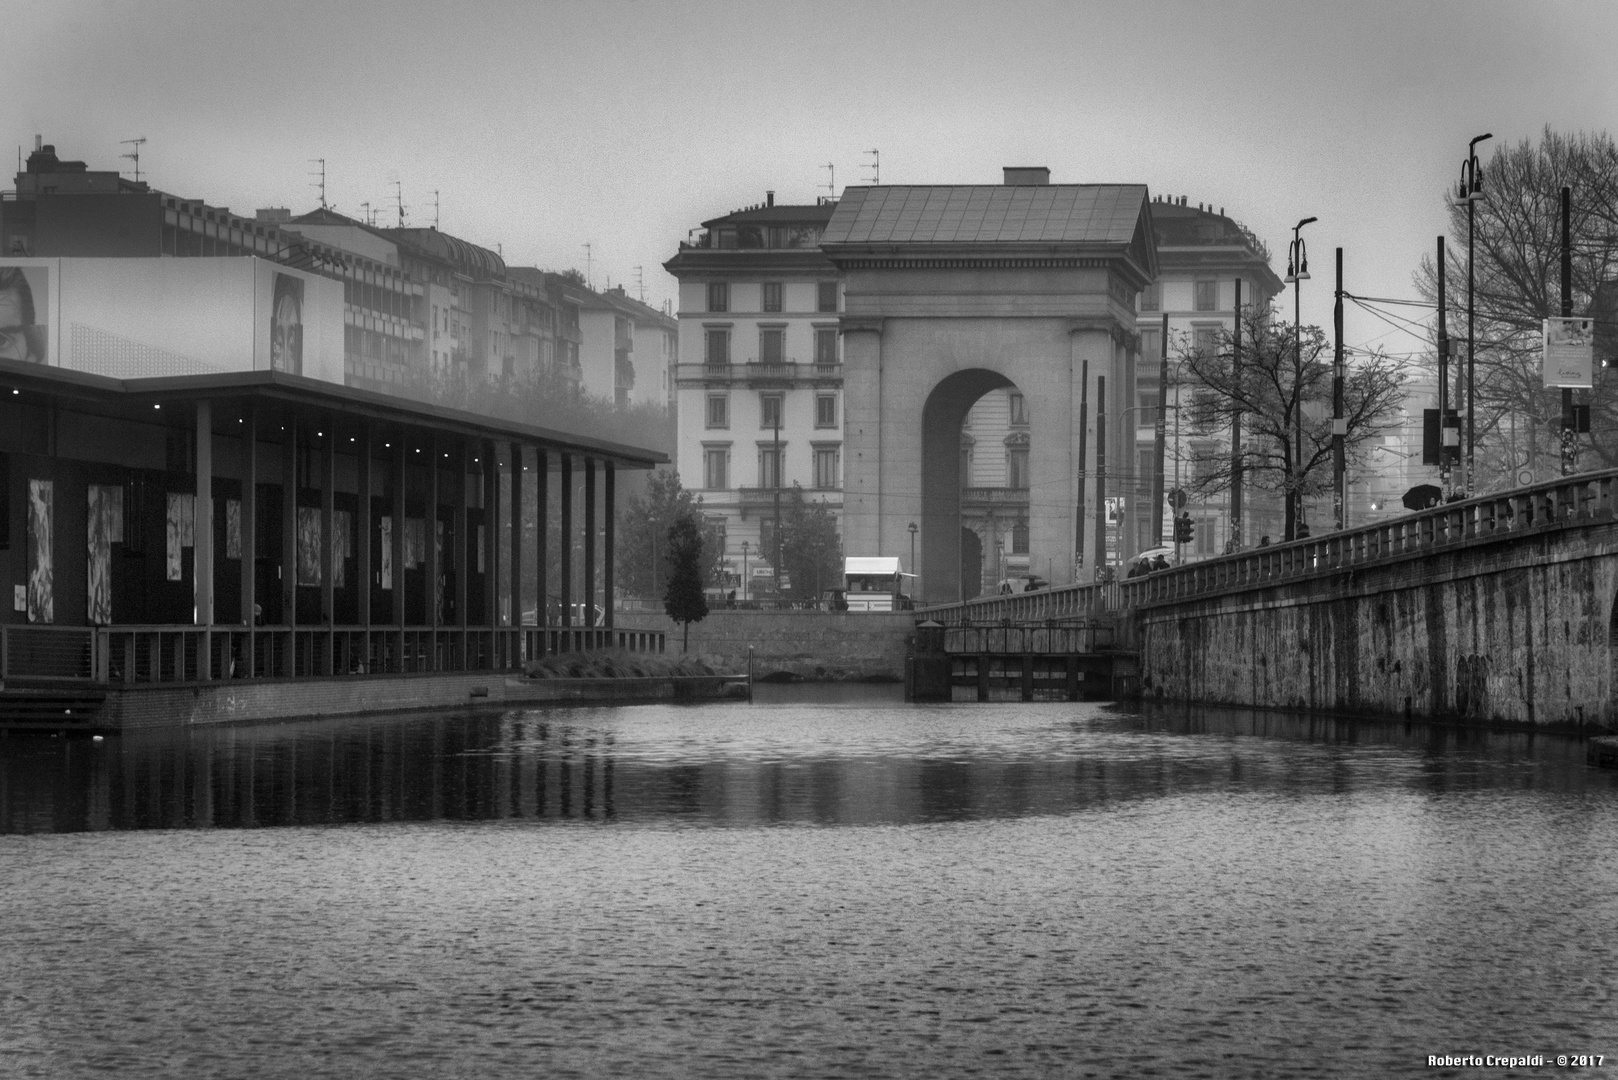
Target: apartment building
point(758, 397)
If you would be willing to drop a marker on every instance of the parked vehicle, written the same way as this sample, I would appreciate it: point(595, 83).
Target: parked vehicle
point(874, 583)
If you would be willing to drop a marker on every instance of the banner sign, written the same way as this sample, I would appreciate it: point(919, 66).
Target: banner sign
point(1569, 354)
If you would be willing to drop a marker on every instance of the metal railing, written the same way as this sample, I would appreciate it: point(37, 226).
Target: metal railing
point(147, 655)
point(1568, 502)
point(56, 653)
point(1088, 637)
point(758, 371)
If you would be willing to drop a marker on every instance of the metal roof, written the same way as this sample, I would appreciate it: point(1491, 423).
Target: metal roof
point(988, 213)
point(302, 391)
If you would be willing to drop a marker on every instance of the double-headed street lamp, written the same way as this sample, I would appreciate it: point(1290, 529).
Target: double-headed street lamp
point(1297, 272)
point(1470, 192)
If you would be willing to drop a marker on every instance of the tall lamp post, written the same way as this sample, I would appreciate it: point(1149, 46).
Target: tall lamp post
point(917, 587)
point(745, 579)
point(1297, 273)
point(1470, 192)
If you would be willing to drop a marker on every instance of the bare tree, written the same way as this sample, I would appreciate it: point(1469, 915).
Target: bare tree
point(1517, 267)
point(1276, 386)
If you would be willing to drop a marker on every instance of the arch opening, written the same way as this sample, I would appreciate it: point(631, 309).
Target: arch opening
point(975, 486)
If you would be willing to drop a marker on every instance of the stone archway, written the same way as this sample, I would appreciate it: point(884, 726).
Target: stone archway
point(942, 574)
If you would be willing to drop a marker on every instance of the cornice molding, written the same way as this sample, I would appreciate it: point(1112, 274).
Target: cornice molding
point(851, 324)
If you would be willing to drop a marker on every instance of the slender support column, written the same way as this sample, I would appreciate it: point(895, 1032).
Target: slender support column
point(1160, 436)
point(542, 512)
point(1101, 477)
point(566, 540)
point(202, 537)
point(609, 552)
point(493, 511)
point(399, 462)
point(589, 543)
point(289, 526)
point(249, 531)
point(328, 544)
point(515, 659)
point(1236, 428)
point(364, 531)
point(432, 555)
point(465, 544)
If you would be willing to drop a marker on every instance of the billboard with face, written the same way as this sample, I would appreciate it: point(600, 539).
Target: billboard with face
point(25, 311)
point(136, 318)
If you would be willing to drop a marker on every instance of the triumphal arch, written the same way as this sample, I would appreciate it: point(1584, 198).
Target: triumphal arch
point(953, 291)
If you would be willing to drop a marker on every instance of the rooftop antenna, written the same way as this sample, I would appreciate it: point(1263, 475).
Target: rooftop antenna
point(640, 282)
point(365, 214)
point(435, 209)
point(587, 255)
point(875, 166)
point(398, 197)
point(133, 155)
point(831, 178)
point(321, 183)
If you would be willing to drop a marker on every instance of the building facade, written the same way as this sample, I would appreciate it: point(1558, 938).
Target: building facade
point(1201, 255)
point(759, 394)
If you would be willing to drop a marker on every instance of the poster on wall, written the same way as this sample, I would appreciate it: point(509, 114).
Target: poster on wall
point(233, 528)
point(342, 528)
point(1568, 354)
point(103, 528)
point(415, 543)
point(25, 313)
point(41, 565)
point(309, 545)
point(387, 552)
point(180, 522)
point(286, 325)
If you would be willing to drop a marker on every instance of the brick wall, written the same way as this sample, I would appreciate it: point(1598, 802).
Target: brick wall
point(814, 644)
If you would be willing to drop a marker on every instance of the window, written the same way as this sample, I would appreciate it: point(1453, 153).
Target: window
point(1151, 345)
point(718, 346)
point(828, 475)
point(718, 296)
point(769, 465)
point(718, 411)
point(1148, 408)
point(826, 300)
point(1019, 537)
point(1207, 340)
point(1019, 408)
point(825, 410)
point(1017, 467)
point(1207, 296)
point(769, 410)
point(772, 296)
point(772, 344)
point(716, 468)
point(825, 345)
point(1151, 297)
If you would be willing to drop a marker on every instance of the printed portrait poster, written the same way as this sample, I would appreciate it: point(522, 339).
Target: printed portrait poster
point(180, 524)
point(286, 325)
point(233, 528)
point(104, 527)
point(25, 298)
point(386, 561)
point(1569, 353)
point(41, 565)
point(309, 545)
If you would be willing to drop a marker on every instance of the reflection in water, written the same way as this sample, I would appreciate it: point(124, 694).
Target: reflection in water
point(1029, 891)
point(811, 755)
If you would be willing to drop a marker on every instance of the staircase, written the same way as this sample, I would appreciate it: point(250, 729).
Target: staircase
point(28, 709)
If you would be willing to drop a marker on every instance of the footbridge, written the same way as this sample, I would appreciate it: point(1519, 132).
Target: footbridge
point(1498, 608)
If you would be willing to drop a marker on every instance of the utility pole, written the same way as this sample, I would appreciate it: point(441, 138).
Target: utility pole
point(1443, 377)
point(1471, 191)
point(1569, 452)
point(134, 154)
point(1084, 433)
point(1297, 273)
point(775, 556)
point(1161, 435)
point(1339, 424)
point(1235, 429)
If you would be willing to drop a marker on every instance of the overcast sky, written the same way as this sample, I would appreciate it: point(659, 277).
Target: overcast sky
point(547, 126)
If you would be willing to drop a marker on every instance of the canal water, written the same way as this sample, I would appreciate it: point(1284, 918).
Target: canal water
point(824, 883)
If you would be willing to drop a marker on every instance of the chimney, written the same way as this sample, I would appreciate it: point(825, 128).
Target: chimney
point(39, 142)
point(1026, 175)
point(769, 198)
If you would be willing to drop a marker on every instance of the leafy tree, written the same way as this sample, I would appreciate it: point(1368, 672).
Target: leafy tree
point(684, 602)
point(1517, 268)
point(811, 550)
point(1275, 384)
point(644, 566)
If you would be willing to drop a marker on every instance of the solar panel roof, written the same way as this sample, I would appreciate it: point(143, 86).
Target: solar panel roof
point(987, 213)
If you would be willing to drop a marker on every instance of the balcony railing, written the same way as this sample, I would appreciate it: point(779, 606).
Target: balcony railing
point(757, 371)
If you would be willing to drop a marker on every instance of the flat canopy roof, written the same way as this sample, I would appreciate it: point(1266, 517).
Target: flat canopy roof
point(871, 564)
point(296, 390)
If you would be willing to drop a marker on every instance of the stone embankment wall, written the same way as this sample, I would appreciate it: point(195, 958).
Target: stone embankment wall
point(1517, 631)
point(811, 644)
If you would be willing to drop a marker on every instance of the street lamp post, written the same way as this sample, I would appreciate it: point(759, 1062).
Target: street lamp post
point(917, 587)
point(1470, 192)
point(745, 579)
point(1297, 273)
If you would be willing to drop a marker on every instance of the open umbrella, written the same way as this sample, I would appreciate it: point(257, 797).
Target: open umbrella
point(1163, 551)
point(1422, 496)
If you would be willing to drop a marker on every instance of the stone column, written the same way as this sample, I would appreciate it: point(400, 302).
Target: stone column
point(588, 613)
point(566, 540)
point(862, 427)
point(289, 524)
point(609, 554)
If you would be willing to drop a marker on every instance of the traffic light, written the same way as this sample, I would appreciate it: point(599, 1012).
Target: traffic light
point(1184, 529)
